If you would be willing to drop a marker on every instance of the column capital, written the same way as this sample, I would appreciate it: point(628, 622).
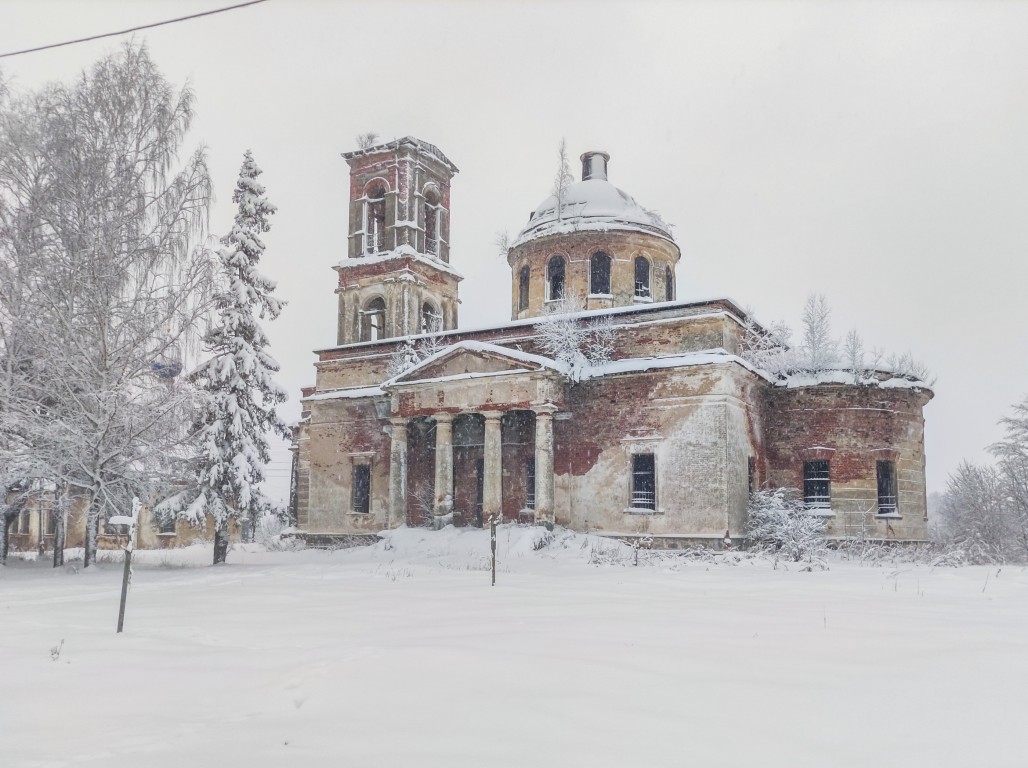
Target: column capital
point(546, 409)
point(443, 418)
point(398, 422)
point(492, 415)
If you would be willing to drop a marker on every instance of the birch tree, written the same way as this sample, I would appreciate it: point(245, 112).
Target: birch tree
point(106, 228)
point(819, 348)
point(563, 178)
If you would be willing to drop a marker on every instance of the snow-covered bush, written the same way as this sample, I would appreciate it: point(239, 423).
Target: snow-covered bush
point(780, 525)
point(410, 353)
point(976, 521)
point(820, 357)
point(574, 341)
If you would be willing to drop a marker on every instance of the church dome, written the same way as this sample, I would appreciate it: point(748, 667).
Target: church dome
point(593, 204)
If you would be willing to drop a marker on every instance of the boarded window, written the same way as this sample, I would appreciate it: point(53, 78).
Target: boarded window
point(530, 484)
point(888, 499)
point(525, 276)
point(642, 277)
point(669, 284)
point(361, 495)
point(644, 481)
point(817, 489)
point(599, 273)
point(555, 278)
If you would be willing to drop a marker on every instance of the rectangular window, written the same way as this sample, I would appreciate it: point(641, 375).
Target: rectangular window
point(22, 523)
point(166, 524)
point(49, 522)
point(817, 489)
point(644, 481)
point(361, 495)
point(530, 484)
point(887, 496)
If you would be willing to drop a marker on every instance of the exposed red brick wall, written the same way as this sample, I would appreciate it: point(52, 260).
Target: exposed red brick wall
point(853, 427)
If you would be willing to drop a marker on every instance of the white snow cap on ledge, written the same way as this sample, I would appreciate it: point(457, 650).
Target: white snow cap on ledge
point(397, 253)
point(845, 376)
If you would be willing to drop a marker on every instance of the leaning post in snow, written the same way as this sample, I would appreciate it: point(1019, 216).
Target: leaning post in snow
point(492, 544)
point(127, 574)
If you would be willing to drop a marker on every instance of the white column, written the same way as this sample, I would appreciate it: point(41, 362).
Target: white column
point(443, 463)
point(544, 467)
point(398, 474)
point(492, 485)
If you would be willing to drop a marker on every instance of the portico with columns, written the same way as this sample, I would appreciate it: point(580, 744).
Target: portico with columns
point(484, 414)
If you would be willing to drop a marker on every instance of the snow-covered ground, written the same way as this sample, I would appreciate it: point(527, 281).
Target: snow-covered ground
point(402, 655)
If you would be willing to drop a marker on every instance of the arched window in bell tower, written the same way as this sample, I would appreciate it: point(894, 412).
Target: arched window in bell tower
point(431, 318)
point(599, 273)
point(669, 284)
point(642, 277)
point(523, 282)
point(432, 211)
point(555, 278)
point(373, 320)
point(374, 219)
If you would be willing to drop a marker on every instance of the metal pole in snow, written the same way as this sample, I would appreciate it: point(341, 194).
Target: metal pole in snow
point(492, 544)
point(127, 573)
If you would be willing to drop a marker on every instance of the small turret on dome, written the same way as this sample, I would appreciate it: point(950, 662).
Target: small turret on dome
point(598, 246)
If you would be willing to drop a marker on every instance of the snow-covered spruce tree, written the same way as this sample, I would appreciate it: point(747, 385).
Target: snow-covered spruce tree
point(237, 394)
point(780, 525)
point(574, 341)
point(100, 221)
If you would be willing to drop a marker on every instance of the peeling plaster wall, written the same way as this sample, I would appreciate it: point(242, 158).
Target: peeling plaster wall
point(853, 427)
point(692, 420)
point(340, 434)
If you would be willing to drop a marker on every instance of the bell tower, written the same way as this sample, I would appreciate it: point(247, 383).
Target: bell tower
point(396, 279)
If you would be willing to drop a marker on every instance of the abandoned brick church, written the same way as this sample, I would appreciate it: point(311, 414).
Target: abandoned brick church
point(666, 437)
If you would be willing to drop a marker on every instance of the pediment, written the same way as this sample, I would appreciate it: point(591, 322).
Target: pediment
point(470, 360)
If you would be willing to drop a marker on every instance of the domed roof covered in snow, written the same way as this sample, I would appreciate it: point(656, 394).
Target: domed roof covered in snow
point(593, 204)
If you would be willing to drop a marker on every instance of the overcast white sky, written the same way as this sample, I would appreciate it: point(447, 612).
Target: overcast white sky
point(877, 153)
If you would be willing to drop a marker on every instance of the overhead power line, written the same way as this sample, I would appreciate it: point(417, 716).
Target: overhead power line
point(133, 29)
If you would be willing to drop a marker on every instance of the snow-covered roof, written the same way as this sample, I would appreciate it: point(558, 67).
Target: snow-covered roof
point(592, 205)
point(422, 146)
point(344, 394)
point(686, 360)
point(881, 378)
point(403, 251)
point(654, 307)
